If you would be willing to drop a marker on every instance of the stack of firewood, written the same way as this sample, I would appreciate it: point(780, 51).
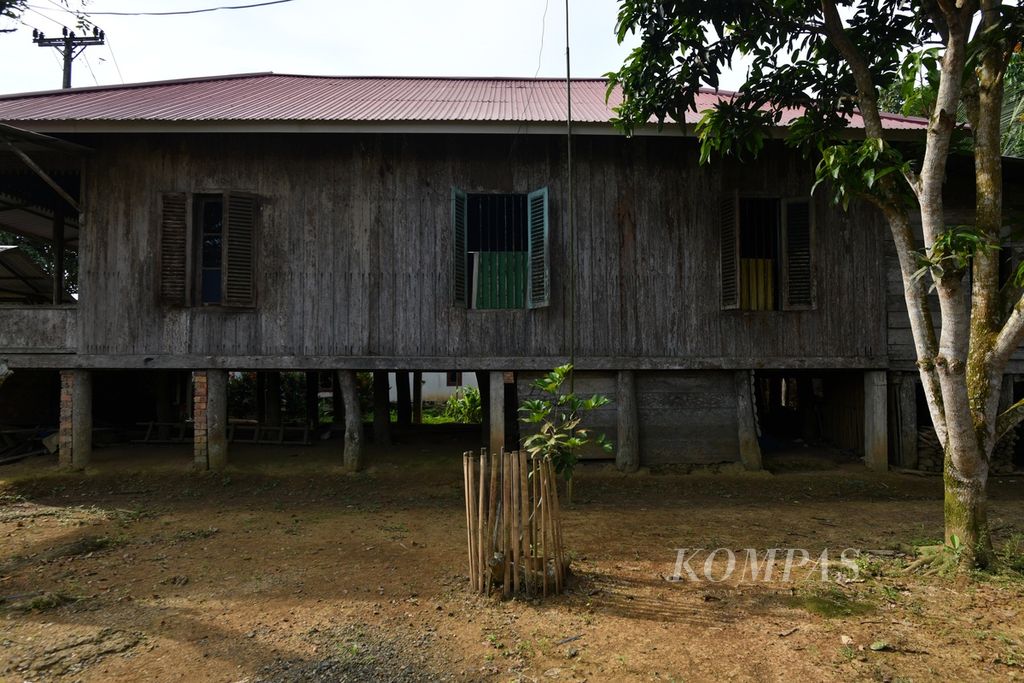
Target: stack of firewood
point(930, 456)
point(513, 524)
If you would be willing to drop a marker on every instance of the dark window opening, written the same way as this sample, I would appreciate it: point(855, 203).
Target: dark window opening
point(500, 251)
point(453, 379)
point(496, 246)
point(767, 253)
point(759, 254)
point(209, 227)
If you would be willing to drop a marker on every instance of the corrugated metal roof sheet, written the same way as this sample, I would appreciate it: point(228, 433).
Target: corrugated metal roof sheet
point(276, 97)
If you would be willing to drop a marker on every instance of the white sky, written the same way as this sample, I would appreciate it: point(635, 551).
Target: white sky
point(332, 37)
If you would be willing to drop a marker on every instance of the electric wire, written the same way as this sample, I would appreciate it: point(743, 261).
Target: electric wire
point(190, 11)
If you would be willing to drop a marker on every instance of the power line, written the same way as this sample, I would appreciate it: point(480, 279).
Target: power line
point(110, 47)
point(91, 72)
point(190, 11)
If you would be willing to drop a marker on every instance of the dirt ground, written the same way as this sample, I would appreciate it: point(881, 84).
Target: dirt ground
point(285, 568)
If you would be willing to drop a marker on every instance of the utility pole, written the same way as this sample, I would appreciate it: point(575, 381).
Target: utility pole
point(69, 46)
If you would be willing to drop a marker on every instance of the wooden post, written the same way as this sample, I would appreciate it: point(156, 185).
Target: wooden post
point(483, 382)
point(381, 409)
point(353, 454)
point(417, 397)
point(746, 420)
point(217, 418)
point(272, 396)
point(627, 453)
point(496, 411)
point(164, 386)
point(906, 406)
point(312, 400)
point(338, 401)
point(404, 398)
point(58, 256)
point(75, 435)
point(876, 452)
point(261, 397)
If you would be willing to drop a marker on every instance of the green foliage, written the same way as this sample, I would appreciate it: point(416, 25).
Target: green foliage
point(853, 168)
point(558, 416)
point(464, 406)
point(952, 252)
point(1012, 119)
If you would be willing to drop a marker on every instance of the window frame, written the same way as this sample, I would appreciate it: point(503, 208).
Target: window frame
point(460, 272)
point(733, 199)
point(191, 296)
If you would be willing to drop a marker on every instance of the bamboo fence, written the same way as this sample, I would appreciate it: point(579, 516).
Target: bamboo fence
point(513, 524)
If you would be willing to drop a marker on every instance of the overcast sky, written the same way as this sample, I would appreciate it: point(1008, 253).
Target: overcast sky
point(332, 37)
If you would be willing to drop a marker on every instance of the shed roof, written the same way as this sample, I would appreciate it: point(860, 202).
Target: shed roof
point(269, 98)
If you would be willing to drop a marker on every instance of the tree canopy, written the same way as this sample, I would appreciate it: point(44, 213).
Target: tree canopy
point(951, 60)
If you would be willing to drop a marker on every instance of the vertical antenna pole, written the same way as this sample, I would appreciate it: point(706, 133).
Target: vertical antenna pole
point(572, 223)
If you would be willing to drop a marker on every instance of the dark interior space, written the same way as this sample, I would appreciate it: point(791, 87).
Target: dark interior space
point(806, 407)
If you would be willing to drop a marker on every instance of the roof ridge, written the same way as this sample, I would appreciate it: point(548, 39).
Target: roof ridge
point(265, 74)
point(138, 84)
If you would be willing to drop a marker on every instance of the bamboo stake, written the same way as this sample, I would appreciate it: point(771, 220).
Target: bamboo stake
point(514, 518)
point(469, 521)
point(492, 518)
point(480, 535)
point(556, 524)
point(474, 522)
point(524, 493)
point(543, 527)
point(506, 524)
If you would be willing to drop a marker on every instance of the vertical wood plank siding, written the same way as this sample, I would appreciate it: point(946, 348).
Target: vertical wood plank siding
point(355, 245)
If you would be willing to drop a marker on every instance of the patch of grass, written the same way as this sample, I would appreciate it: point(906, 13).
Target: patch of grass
point(42, 602)
point(1011, 555)
point(195, 534)
point(831, 604)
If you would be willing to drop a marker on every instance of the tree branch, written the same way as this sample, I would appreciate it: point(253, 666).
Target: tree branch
point(1009, 419)
point(867, 94)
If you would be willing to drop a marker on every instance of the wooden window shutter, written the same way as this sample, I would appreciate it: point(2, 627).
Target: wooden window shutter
point(797, 272)
point(538, 258)
point(238, 279)
point(460, 216)
point(729, 234)
point(174, 246)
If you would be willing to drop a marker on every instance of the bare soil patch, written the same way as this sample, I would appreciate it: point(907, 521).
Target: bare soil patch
point(285, 568)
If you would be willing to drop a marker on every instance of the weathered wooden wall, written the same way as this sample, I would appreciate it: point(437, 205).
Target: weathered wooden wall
point(684, 416)
point(38, 329)
point(354, 253)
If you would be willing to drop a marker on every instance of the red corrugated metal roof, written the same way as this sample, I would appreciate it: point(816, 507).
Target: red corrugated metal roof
point(278, 97)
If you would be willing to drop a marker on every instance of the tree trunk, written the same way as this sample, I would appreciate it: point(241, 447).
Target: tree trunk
point(353, 454)
point(966, 513)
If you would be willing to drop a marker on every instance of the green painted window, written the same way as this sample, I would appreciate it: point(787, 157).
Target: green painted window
point(500, 250)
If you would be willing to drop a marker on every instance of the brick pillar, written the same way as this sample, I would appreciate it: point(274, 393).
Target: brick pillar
point(75, 435)
point(210, 418)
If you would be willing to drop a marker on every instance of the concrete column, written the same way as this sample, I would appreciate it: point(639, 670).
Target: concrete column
point(496, 410)
point(746, 421)
point(75, 436)
point(210, 414)
point(876, 450)
point(627, 452)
